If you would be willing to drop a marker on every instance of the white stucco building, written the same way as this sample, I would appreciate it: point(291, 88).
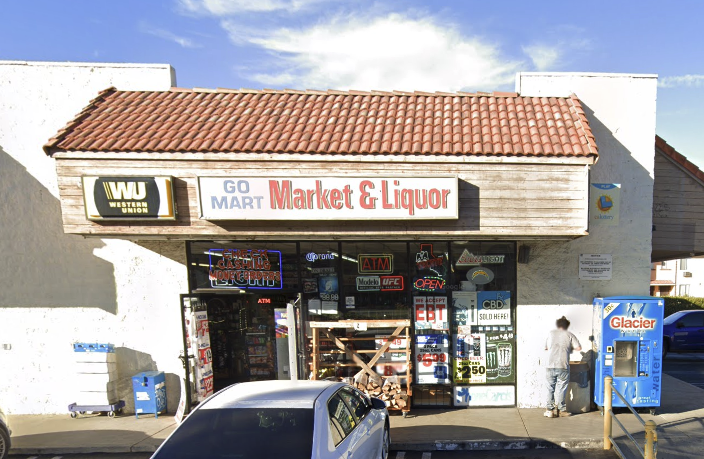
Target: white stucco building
point(523, 173)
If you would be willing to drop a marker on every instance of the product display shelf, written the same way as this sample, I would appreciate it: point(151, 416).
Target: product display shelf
point(373, 383)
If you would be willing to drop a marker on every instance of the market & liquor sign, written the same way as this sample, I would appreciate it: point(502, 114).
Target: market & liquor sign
point(328, 198)
point(128, 198)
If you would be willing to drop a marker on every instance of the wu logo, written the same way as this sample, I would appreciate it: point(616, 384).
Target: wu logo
point(125, 190)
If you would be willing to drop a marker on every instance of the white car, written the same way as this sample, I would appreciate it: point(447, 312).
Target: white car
point(291, 419)
point(4, 435)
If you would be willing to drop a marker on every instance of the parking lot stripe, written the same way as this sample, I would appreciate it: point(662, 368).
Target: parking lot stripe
point(400, 455)
point(426, 456)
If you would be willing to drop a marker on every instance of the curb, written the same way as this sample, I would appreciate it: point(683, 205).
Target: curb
point(438, 445)
point(498, 445)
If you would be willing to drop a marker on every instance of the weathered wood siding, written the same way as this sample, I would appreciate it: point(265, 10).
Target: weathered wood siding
point(496, 199)
point(678, 211)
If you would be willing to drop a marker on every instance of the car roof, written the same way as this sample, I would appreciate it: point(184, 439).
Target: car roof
point(271, 394)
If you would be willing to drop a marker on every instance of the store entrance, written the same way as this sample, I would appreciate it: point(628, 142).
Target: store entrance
point(248, 337)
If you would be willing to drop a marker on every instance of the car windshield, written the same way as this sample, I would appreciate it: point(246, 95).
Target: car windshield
point(247, 433)
point(673, 318)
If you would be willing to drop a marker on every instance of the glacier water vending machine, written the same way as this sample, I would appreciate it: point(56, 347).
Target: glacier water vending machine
point(628, 337)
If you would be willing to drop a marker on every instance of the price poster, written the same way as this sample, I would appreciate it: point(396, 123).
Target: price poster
point(432, 359)
point(430, 313)
point(470, 358)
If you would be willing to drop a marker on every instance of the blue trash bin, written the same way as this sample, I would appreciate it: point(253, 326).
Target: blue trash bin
point(149, 393)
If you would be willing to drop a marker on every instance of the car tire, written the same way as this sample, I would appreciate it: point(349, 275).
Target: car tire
point(385, 443)
point(4, 444)
point(665, 348)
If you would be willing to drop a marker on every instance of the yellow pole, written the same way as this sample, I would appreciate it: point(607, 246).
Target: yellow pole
point(607, 411)
point(650, 437)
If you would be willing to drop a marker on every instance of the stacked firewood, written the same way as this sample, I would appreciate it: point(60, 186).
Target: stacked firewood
point(394, 396)
point(390, 393)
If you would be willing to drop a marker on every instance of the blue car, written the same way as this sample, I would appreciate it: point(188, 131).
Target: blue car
point(683, 331)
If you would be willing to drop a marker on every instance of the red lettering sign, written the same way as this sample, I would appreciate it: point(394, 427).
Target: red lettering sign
point(375, 264)
point(391, 283)
point(625, 323)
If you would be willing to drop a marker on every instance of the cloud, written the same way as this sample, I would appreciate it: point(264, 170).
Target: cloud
point(232, 7)
point(690, 81)
point(170, 36)
point(395, 51)
point(543, 57)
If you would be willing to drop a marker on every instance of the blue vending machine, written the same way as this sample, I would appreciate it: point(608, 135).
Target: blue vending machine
point(628, 338)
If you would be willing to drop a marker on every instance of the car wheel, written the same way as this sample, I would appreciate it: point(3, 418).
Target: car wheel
point(386, 443)
point(4, 444)
point(665, 348)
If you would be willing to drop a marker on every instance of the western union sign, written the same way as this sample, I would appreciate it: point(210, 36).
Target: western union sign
point(129, 198)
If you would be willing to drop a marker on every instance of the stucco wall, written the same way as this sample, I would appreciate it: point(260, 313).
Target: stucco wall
point(56, 289)
point(621, 113)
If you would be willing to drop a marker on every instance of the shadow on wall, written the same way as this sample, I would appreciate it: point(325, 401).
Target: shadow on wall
point(45, 267)
point(130, 363)
point(556, 262)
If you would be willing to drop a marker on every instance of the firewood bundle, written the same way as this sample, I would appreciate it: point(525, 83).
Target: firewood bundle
point(394, 396)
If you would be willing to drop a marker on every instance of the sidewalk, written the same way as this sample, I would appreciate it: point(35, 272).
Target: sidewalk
point(680, 426)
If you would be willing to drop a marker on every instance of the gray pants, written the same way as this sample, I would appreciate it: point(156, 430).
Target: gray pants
point(557, 379)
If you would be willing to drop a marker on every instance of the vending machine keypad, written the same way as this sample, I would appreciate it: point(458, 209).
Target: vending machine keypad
point(644, 358)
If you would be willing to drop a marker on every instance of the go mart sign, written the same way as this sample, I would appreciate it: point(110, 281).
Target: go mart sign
point(328, 198)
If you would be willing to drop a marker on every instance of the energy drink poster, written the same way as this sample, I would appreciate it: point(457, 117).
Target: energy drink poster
point(432, 359)
point(500, 347)
point(470, 358)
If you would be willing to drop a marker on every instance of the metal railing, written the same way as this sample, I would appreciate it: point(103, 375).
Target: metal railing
point(649, 449)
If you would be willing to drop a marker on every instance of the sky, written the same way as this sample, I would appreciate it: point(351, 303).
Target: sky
point(438, 45)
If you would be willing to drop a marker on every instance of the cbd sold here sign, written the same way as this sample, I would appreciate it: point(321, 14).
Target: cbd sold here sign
point(328, 198)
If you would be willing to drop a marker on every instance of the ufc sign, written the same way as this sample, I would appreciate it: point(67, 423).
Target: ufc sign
point(391, 283)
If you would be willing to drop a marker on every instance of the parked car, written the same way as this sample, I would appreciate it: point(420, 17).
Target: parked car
point(4, 435)
point(291, 419)
point(683, 331)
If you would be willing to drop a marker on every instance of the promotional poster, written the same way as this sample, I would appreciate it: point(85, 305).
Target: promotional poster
point(432, 359)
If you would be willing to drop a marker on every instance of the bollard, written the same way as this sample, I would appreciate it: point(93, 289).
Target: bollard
point(650, 438)
point(607, 411)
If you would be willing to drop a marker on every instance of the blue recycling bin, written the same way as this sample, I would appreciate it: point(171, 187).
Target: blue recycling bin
point(149, 393)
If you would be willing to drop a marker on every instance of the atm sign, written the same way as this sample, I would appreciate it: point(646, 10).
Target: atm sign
point(375, 264)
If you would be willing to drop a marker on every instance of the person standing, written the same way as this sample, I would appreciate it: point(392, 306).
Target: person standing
point(560, 344)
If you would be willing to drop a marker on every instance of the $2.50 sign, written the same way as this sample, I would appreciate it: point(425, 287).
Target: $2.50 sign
point(470, 371)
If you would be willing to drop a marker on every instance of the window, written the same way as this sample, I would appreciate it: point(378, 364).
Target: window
point(663, 265)
point(683, 264)
point(243, 433)
point(341, 420)
point(693, 319)
point(356, 402)
point(684, 290)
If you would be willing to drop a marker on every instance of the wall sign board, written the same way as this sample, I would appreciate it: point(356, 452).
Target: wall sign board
point(328, 198)
point(128, 198)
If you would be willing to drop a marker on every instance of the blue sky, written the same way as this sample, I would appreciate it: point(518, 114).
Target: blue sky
point(434, 45)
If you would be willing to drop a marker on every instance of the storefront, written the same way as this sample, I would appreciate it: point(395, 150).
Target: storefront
point(458, 296)
point(465, 214)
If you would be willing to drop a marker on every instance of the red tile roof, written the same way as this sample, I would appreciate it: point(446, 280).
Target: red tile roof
point(678, 158)
point(336, 122)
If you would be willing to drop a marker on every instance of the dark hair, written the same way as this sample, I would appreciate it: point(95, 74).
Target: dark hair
point(562, 322)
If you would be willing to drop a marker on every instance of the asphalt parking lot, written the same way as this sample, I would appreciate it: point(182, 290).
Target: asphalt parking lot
point(686, 367)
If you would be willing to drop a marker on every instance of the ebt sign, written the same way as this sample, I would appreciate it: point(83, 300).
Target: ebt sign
point(328, 198)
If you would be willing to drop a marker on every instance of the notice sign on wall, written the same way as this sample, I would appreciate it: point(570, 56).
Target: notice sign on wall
point(328, 198)
point(245, 269)
point(432, 357)
point(129, 198)
point(604, 203)
point(595, 266)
